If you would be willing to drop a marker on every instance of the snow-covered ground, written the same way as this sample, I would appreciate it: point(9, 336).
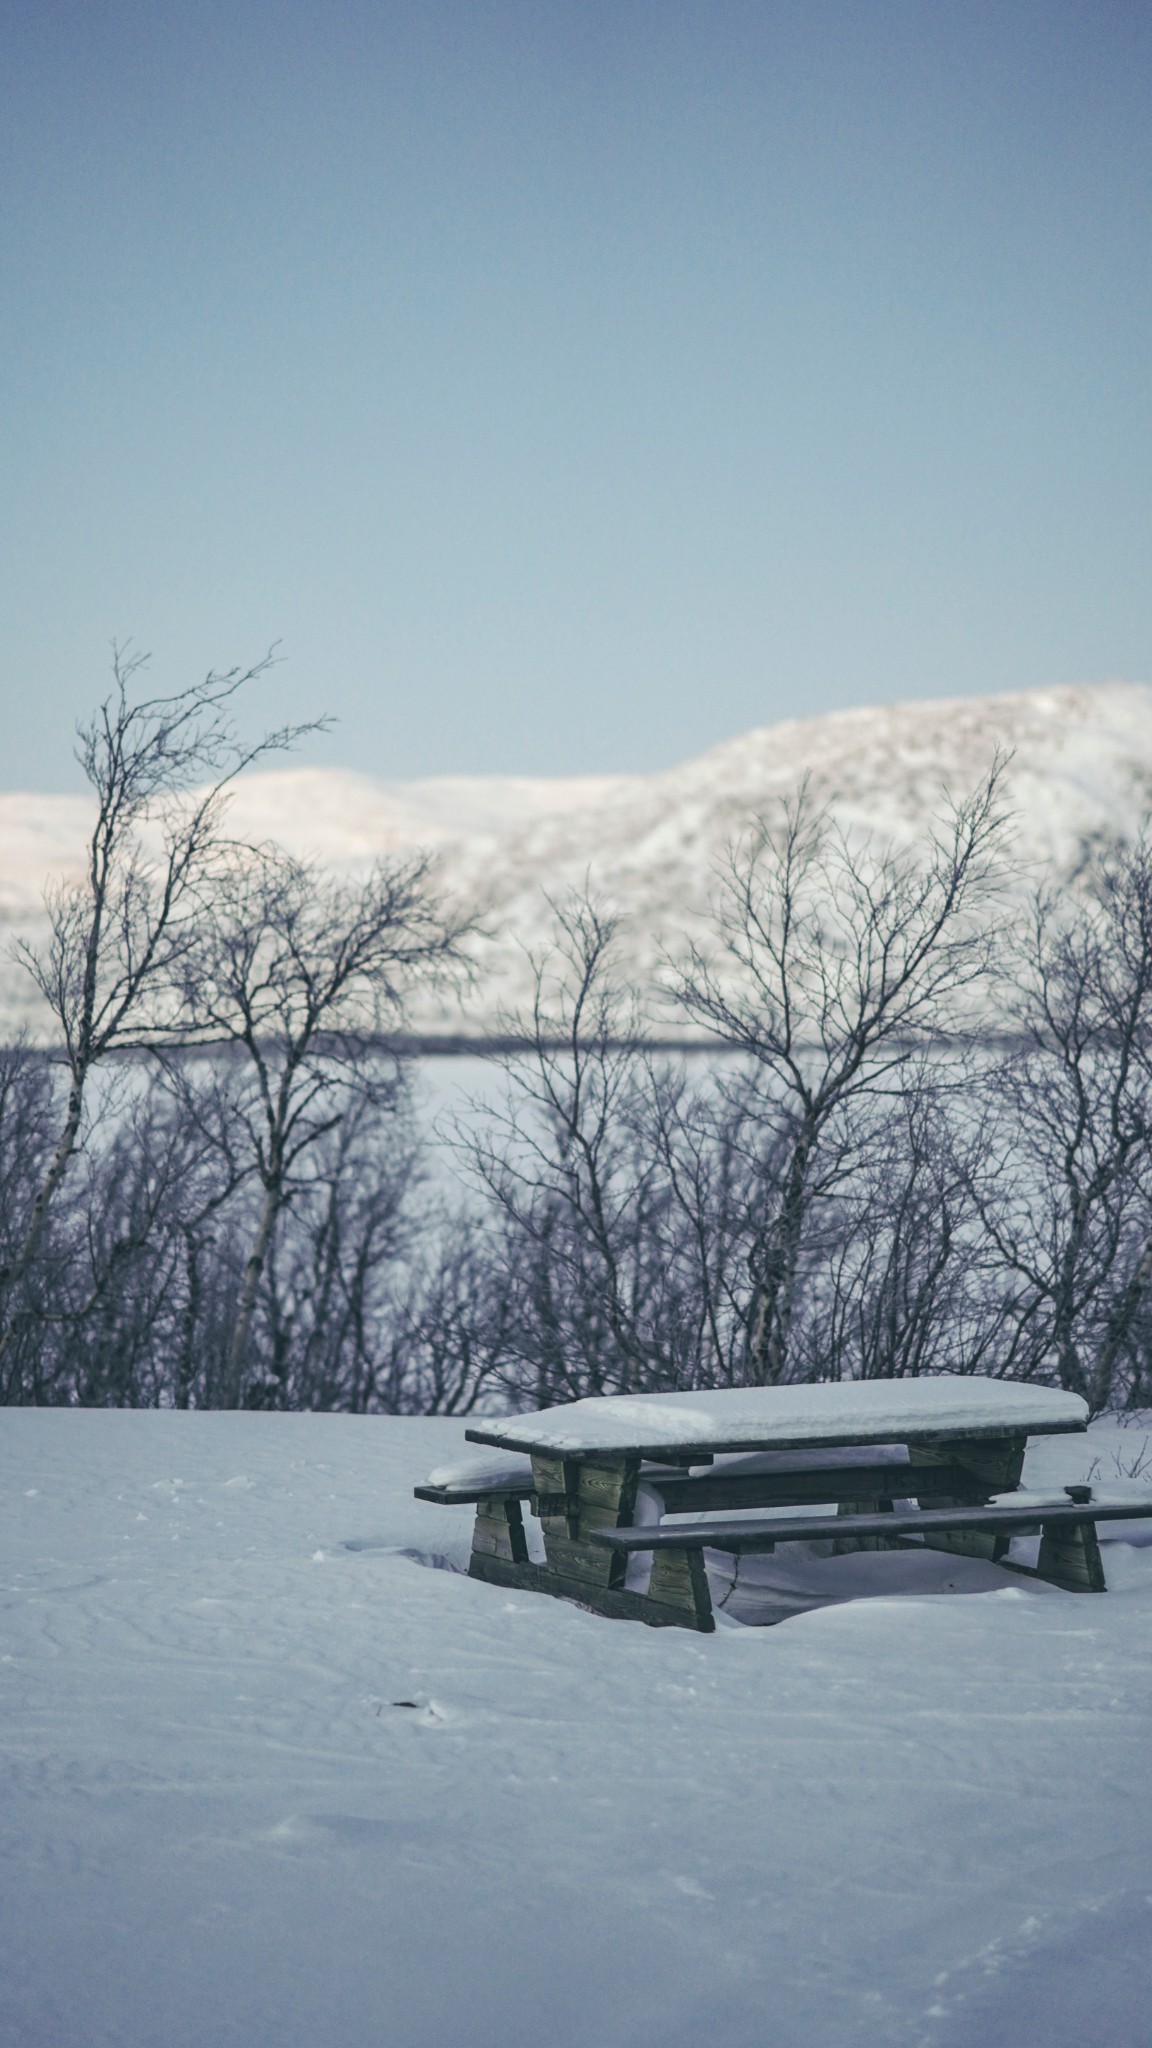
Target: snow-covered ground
point(271, 1781)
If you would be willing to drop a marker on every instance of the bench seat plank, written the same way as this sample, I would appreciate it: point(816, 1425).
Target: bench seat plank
point(761, 1536)
point(470, 1496)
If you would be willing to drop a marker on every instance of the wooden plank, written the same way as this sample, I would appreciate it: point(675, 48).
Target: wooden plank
point(682, 1458)
point(555, 1499)
point(991, 1545)
point(843, 1546)
point(680, 1580)
point(713, 1492)
point(583, 1561)
point(595, 1495)
point(765, 1535)
point(467, 1496)
point(499, 1531)
point(1070, 1557)
point(996, 1467)
point(616, 1603)
point(547, 1473)
point(720, 1446)
point(991, 1468)
point(602, 1485)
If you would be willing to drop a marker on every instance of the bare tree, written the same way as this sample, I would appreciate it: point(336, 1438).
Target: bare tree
point(333, 1292)
point(836, 962)
point(1065, 1181)
point(904, 1284)
point(119, 938)
point(446, 1340)
point(30, 1110)
point(720, 1137)
point(571, 1184)
point(297, 972)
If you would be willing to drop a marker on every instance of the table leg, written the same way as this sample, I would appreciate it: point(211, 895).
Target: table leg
point(573, 1497)
point(996, 1465)
point(1070, 1557)
point(842, 1545)
point(679, 1580)
point(499, 1532)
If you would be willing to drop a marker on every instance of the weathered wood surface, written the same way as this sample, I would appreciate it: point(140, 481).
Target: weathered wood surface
point(1026, 1518)
point(853, 1510)
point(580, 1498)
point(708, 1492)
point(1070, 1556)
point(990, 1468)
point(703, 1451)
point(615, 1602)
point(467, 1496)
point(499, 1530)
point(1067, 1559)
point(807, 1485)
point(679, 1580)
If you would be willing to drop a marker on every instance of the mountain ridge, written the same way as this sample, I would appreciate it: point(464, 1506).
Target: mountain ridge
point(1080, 770)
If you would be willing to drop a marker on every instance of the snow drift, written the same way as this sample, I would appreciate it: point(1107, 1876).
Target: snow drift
point(268, 1780)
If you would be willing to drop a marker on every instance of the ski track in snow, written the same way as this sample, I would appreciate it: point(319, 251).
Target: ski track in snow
point(269, 1780)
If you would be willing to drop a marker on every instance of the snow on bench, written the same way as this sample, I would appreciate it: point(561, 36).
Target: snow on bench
point(476, 1479)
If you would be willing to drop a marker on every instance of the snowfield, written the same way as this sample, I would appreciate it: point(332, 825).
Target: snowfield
point(271, 1779)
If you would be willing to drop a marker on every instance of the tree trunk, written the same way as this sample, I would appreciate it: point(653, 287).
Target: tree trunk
point(37, 1222)
point(1119, 1324)
point(246, 1305)
point(772, 1305)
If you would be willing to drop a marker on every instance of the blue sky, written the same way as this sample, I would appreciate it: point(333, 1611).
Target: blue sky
point(569, 386)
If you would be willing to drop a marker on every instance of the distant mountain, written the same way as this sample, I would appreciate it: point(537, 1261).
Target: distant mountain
point(1081, 771)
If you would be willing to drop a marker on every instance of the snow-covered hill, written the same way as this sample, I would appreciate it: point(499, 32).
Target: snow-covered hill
point(1081, 769)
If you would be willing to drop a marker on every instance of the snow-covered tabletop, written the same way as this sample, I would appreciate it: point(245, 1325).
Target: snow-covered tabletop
point(792, 1418)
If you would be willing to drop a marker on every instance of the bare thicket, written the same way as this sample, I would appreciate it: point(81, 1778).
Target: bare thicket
point(159, 768)
point(835, 962)
point(298, 973)
point(156, 1200)
point(1064, 1181)
point(631, 1196)
point(576, 1193)
point(922, 1141)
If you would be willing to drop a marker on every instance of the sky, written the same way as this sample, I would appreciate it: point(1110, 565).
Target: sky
point(568, 385)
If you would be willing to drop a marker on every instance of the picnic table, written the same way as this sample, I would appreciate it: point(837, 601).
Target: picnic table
point(925, 1460)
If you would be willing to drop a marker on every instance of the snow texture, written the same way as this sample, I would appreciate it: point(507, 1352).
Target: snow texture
point(271, 1781)
point(1080, 771)
point(867, 1411)
point(498, 1468)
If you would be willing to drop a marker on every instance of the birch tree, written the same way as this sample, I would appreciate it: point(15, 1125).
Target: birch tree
point(111, 971)
point(298, 972)
point(835, 962)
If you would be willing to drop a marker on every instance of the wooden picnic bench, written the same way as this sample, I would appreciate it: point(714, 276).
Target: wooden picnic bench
point(952, 1445)
point(1069, 1549)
